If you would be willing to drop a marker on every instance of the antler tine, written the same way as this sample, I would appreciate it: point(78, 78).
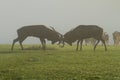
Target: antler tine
point(52, 28)
point(55, 30)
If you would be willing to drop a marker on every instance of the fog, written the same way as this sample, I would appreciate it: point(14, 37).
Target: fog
point(63, 15)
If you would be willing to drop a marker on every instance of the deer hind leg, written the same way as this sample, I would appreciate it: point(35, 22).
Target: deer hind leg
point(103, 41)
point(14, 41)
point(96, 44)
point(21, 40)
point(81, 44)
point(79, 41)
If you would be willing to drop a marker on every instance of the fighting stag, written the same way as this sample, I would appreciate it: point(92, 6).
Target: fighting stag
point(39, 31)
point(83, 32)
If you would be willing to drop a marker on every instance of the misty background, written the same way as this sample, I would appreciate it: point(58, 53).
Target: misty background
point(63, 15)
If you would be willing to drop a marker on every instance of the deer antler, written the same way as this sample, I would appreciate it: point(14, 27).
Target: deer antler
point(52, 28)
point(56, 31)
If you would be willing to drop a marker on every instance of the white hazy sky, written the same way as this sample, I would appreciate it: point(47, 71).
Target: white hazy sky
point(61, 14)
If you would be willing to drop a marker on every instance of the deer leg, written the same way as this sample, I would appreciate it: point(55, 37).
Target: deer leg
point(21, 40)
point(21, 44)
point(103, 41)
point(43, 43)
point(77, 45)
point(81, 44)
point(96, 44)
point(14, 41)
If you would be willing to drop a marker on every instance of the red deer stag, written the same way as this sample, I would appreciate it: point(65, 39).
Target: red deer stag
point(82, 32)
point(40, 31)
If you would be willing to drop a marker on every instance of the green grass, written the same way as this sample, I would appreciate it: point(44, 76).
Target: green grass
point(59, 63)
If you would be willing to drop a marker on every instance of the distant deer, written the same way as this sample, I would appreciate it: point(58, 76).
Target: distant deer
point(39, 31)
point(116, 38)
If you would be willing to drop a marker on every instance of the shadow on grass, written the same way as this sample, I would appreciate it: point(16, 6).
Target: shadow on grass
point(26, 50)
point(39, 48)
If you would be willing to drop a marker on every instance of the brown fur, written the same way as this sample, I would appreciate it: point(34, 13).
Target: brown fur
point(39, 31)
point(82, 32)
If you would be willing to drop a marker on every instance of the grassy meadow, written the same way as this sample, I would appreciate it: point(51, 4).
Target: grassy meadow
point(59, 63)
